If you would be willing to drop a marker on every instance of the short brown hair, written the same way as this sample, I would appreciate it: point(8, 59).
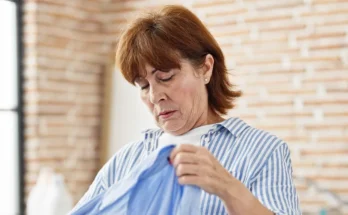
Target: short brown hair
point(162, 38)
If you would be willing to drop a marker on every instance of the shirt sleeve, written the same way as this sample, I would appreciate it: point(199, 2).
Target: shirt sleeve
point(111, 172)
point(99, 184)
point(274, 186)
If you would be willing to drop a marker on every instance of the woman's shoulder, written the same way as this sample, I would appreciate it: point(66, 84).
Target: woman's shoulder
point(255, 147)
point(261, 139)
point(252, 141)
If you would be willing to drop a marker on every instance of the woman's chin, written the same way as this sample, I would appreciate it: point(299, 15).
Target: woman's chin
point(171, 126)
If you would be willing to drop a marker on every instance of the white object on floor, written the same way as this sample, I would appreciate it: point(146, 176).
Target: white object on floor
point(49, 196)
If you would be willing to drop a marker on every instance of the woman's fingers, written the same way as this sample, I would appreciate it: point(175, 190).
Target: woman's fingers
point(187, 169)
point(195, 165)
point(191, 158)
point(194, 169)
point(185, 158)
point(183, 148)
point(187, 153)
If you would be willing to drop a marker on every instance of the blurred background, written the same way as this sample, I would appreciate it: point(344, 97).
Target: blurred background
point(64, 105)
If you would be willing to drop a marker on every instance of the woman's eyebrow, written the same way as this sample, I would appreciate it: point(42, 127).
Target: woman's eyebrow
point(153, 71)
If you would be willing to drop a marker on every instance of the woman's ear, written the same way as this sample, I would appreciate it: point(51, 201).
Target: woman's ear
point(208, 66)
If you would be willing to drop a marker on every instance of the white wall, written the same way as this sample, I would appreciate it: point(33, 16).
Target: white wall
point(129, 116)
point(9, 179)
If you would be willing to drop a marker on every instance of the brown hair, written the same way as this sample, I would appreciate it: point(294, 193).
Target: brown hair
point(162, 38)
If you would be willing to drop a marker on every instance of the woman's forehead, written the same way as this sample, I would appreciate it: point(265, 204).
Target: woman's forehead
point(148, 69)
point(144, 70)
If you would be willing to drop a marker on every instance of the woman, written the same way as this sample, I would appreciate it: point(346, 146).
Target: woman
point(181, 74)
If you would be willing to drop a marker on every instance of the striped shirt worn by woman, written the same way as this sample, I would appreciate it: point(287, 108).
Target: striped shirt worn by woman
point(260, 160)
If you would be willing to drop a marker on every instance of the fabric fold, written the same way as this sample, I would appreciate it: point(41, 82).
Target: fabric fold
point(150, 188)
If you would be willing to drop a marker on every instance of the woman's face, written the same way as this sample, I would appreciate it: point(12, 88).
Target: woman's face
point(177, 99)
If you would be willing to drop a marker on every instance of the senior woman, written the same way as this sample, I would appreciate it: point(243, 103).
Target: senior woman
point(182, 78)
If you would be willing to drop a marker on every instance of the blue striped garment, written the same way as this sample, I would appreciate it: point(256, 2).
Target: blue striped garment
point(260, 160)
point(150, 188)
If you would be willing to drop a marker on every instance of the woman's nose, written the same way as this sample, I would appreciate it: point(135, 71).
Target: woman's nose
point(156, 95)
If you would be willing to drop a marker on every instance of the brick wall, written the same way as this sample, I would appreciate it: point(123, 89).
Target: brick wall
point(65, 57)
point(290, 58)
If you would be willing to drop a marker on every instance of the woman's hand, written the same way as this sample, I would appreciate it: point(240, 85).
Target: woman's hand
point(195, 165)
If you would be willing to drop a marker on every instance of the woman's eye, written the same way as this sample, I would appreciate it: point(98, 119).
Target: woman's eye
point(144, 87)
point(166, 79)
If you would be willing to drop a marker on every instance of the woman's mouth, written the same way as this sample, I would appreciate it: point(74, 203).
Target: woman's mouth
point(166, 114)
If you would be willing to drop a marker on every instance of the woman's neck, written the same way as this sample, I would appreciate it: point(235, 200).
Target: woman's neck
point(211, 118)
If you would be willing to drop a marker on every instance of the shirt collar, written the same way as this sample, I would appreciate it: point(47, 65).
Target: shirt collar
point(234, 125)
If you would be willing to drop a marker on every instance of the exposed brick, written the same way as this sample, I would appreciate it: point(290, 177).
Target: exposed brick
point(64, 60)
point(287, 56)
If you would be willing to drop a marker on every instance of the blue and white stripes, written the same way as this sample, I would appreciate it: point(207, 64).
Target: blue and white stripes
point(261, 161)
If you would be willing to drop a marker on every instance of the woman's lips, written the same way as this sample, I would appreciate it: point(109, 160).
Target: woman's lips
point(166, 115)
